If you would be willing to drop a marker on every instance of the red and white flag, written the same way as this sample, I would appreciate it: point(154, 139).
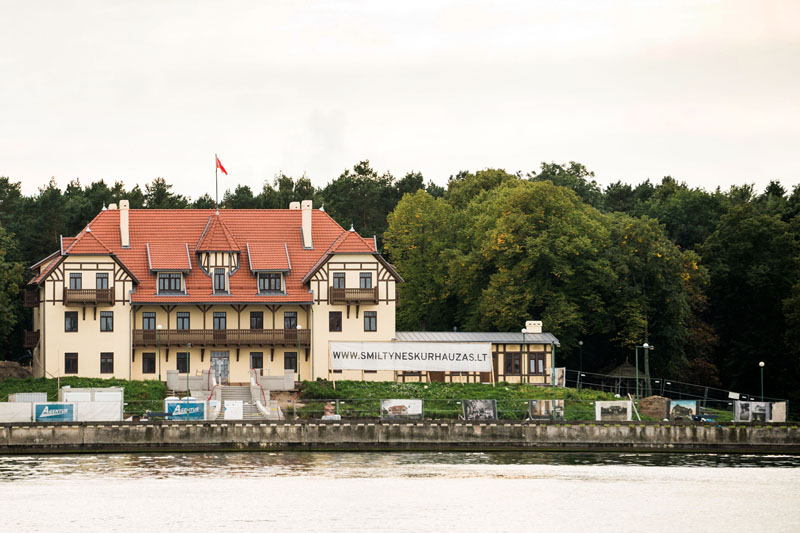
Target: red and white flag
point(219, 166)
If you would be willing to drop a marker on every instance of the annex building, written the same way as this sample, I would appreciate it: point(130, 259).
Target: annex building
point(139, 291)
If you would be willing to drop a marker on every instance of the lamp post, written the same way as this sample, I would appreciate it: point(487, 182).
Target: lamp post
point(299, 327)
point(580, 365)
point(645, 347)
point(524, 331)
point(158, 327)
point(553, 347)
point(188, 358)
point(761, 364)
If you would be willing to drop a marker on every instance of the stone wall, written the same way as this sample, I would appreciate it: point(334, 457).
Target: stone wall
point(397, 436)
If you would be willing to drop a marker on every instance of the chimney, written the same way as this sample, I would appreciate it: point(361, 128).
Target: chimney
point(124, 228)
point(307, 206)
point(533, 326)
point(294, 206)
point(112, 207)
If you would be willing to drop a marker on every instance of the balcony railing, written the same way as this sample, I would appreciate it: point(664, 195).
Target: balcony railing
point(221, 337)
point(31, 339)
point(88, 296)
point(31, 298)
point(353, 295)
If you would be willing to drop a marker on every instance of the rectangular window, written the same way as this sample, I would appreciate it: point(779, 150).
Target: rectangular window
point(290, 320)
point(536, 363)
point(256, 320)
point(335, 321)
point(219, 280)
point(220, 320)
point(148, 363)
point(169, 282)
point(106, 320)
point(182, 320)
point(269, 282)
point(290, 361)
point(75, 281)
point(365, 280)
point(338, 280)
point(70, 363)
point(106, 363)
point(183, 362)
point(102, 281)
point(513, 364)
point(71, 321)
point(149, 320)
point(370, 321)
point(256, 360)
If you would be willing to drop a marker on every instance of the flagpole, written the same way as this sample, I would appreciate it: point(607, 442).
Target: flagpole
point(216, 182)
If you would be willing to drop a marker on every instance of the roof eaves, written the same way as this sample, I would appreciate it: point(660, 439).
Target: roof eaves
point(42, 261)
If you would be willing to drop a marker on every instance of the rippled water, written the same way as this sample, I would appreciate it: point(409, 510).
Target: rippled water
point(400, 492)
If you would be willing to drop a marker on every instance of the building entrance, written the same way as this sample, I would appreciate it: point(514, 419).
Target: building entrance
point(219, 363)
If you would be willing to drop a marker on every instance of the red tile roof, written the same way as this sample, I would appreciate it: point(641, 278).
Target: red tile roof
point(352, 242)
point(217, 237)
point(168, 256)
point(87, 243)
point(264, 231)
point(268, 257)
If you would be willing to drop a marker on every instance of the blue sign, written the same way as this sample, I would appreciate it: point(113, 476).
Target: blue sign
point(177, 410)
point(54, 412)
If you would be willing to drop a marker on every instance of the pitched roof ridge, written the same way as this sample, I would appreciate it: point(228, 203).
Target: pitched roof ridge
point(83, 235)
point(215, 222)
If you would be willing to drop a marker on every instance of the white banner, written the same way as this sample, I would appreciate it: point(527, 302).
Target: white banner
point(413, 356)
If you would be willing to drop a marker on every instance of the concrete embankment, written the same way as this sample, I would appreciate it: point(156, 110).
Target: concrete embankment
point(371, 435)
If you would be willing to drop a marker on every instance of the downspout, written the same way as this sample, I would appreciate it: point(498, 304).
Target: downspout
point(311, 335)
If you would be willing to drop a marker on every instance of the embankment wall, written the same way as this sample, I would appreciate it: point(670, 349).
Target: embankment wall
point(372, 435)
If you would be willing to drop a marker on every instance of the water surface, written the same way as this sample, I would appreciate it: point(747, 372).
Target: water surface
point(400, 492)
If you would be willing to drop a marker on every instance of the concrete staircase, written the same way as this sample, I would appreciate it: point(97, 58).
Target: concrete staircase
point(250, 411)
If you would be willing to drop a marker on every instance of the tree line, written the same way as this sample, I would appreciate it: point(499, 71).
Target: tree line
point(711, 278)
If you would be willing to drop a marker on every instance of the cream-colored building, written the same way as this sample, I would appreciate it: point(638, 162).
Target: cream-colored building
point(138, 292)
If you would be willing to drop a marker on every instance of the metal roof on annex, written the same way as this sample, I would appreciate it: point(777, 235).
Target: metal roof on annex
point(474, 336)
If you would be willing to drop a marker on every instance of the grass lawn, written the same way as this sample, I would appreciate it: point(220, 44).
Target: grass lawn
point(442, 400)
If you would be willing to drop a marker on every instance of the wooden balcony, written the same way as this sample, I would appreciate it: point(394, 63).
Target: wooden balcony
point(31, 339)
point(221, 337)
point(88, 296)
point(346, 296)
point(31, 297)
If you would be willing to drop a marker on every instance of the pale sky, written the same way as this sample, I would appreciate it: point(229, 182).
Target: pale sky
point(705, 91)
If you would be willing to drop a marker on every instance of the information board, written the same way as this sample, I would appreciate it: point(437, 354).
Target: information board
point(412, 356)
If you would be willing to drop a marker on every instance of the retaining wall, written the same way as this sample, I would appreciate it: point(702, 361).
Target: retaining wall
point(375, 435)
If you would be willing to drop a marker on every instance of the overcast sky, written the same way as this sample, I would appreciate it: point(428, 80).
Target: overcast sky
point(705, 91)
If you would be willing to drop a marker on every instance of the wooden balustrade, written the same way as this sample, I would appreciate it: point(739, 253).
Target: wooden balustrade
point(353, 295)
point(31, 339)
point(31, 297)
point(88, 296)
point(221, 337)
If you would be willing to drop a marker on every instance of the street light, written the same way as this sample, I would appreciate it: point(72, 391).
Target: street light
point(158, 327)
point(645, 347)
point(580, 366)
point(553, 347)
point(761, 364)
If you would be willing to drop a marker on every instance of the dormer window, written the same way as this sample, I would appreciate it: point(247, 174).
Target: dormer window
point(219, 280)
point(169, 283)
point(270, 282)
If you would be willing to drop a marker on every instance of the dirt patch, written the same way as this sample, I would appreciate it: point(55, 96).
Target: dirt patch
point(12, 369)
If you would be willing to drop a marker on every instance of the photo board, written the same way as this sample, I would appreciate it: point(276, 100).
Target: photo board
point(682, 409)
point(479, 409)
point(401, 409)
point(613, 411)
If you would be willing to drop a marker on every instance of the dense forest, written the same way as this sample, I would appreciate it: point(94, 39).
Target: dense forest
point(711, 278)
